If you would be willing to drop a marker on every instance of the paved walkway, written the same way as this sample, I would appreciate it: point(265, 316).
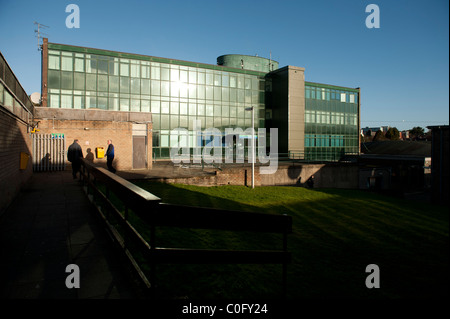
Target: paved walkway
point(50, 225)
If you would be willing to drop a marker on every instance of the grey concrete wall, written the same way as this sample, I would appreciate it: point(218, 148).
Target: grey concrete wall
point(296, 109)
point(325, 176)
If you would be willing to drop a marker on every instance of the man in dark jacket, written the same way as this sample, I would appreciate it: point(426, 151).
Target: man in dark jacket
point(74, 154)
point(110, 156)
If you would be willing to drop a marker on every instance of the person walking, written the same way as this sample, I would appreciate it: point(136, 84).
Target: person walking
point(74, 155)
point(110, 156)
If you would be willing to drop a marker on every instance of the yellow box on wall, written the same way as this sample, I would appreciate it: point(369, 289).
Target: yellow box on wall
point(100, 152)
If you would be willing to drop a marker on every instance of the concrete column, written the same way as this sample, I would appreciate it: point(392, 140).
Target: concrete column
point(296, 109)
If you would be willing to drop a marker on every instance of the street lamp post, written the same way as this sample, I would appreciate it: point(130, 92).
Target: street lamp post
point(253, 143)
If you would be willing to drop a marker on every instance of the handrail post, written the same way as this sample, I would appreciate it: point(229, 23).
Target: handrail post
point(285, 234)
point(152, 261)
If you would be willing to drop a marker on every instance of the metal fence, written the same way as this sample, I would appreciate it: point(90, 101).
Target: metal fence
point(49, 152)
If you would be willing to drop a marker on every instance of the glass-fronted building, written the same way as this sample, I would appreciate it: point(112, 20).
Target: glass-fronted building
point(177, 93)
point(331, 122)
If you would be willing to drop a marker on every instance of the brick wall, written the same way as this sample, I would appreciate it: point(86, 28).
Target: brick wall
point(93, 134)
point(93, 128)
point(14, 139)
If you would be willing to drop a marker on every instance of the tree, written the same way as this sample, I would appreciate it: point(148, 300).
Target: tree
point(393, 134)
point(416, 132)
point(379, 136)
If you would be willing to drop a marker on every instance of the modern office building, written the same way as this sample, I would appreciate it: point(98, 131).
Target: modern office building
point(315, 121)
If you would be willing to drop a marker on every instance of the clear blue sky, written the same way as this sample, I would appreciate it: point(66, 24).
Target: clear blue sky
point(402, 67)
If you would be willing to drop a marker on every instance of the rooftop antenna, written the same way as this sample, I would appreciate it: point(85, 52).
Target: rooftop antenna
point(39, 34)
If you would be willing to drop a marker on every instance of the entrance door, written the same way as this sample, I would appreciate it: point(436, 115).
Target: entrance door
point(139, 152)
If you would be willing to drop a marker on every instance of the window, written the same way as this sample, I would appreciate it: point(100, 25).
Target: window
point(343, 97)
point(307, 93)
point(155, 106)
point(145, 86)
point(54, 100)
point(66, 63)
point(135, 86)
point(352, 98)
point(145, 72)
point(78, 102)
point(102, 66)
point(54, 78)
point(124, 69)
point(91, 66)
point(79, 65)
point(155, 73)
point(124, 85)
point(102, 82)
point(67, 80)
point(53, 62)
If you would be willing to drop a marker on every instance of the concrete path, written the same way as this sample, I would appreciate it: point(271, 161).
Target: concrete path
point(50, 225)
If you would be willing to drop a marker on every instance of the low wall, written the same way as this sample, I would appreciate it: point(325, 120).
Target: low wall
point(325, 176)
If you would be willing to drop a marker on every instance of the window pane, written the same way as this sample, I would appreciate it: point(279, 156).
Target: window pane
point(135, 86)
point(165, 107)
point(209, 93)
point(79, 65)
point(155, 73)
point(135, 70)
point(164, 74)
point(53, 62)
point(183, 76)
point(232, 81)
point(66, 80)
point(174, 108)
point(102, 82)
point(91, 66)
point(209, 78)
point(156, 107)
point(135, 105)
point(145, 105)
point(113, 68)
point(165, 88)
point(124, 69)
point(145, 86)
point(124, 104)
point(78, 102)
point(183, 108)
point(124, 85)
point(66, 63)
point(102, 66)
point(54, 100)
point(54, 79)
point(102, 102)
point(113, 83)
point(201, 78)
point(156, 89)
point(192, 77)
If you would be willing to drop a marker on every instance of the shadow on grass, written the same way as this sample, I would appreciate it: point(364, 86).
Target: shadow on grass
point(336, 234)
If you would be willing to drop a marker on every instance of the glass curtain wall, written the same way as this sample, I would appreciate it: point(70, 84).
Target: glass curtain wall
point(331, 122)
point(175, 94)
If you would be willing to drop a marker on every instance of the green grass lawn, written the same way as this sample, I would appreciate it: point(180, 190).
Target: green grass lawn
point(336, 234)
